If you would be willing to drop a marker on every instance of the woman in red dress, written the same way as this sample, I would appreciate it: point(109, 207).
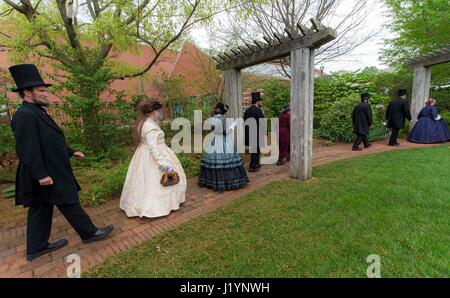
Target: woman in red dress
point(284, 135)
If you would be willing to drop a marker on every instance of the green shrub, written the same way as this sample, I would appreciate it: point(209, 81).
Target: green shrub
point(110, 185)
point(445, 116)
point(6, 134)
point(6, 139)
point(336, 121)
point(190, 164)
point(443, 98)
point(276, 96)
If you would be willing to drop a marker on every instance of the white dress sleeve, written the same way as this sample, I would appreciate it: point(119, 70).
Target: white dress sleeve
point(153, 137)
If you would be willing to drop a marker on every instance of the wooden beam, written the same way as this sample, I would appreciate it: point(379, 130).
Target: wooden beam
point(218, 60)
point(288, 32)
point(259, 44)
point(230, 57)
point(223, 57)
point(303, 29)
point(243, 51)
point(316, 24)
point(268, 40)
point(301, 104)
point(313, 40)
point(236, 53)
point(280, 37)
point(252, 48)
point(435, 59)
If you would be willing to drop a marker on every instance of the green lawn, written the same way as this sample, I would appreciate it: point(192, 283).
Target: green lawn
point(395, 204)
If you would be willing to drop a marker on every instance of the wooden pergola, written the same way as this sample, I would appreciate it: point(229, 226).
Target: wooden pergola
point(300, 45)
point(422, 77)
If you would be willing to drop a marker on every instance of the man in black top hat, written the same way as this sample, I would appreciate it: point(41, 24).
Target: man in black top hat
point(396, 113)
point(44, 176)
point(255, 112)
point(362, 121)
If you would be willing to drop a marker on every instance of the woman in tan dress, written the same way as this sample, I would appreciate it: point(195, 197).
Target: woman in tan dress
point(142, 194)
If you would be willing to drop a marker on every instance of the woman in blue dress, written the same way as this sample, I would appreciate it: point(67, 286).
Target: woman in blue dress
point(221, 168)
point(429, 128)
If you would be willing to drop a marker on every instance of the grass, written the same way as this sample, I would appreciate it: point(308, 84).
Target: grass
point(395, 204)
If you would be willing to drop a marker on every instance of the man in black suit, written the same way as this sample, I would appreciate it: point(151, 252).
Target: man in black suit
point(44, 176)
point(396, 113)
point(362, 121)
point(255, 112)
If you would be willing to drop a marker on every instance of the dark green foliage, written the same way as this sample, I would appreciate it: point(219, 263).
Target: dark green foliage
point(442, 96)
point(277, 95)
point(6, 135)
point(336, 121)
point(110, 185)
point(95, 127)
point(445, 116)
point(190, 163)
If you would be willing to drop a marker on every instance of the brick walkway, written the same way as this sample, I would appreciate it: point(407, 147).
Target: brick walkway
point(129, 232)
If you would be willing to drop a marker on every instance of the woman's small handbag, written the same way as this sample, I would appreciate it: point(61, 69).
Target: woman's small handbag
point(169, 178)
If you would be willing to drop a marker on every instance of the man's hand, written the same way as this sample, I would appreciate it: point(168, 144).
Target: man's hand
point(46, 181)
point(78, 155)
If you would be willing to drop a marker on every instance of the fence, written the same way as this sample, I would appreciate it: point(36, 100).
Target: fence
point(58, 111)
point(177, 108)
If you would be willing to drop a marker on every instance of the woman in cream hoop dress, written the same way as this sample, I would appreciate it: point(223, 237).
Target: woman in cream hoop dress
point(142, 194)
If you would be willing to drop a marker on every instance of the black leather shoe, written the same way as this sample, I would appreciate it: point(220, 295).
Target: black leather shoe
point(280, 162)
point(50, 247)
point(368, 145)
point(395, 145)
point(100, 234)
point(254, 170)
point(356, 149)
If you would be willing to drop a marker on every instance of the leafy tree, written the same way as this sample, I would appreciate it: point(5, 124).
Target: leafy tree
point(277, 95)
point(419, 27)
point(6, 135)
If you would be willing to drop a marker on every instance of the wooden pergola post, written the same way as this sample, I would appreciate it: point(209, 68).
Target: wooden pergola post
point(420, 92)
point(233, 92)
point(422, 78)
point(302, 104)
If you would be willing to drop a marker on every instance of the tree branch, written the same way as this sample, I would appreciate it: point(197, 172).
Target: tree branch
point(172, 40)
point(70, 30)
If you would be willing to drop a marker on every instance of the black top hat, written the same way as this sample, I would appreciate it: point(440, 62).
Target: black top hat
point(402, 92)
point(256, 96)
point(26, 76)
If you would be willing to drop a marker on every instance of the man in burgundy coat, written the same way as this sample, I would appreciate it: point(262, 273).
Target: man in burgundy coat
point(284, 135)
